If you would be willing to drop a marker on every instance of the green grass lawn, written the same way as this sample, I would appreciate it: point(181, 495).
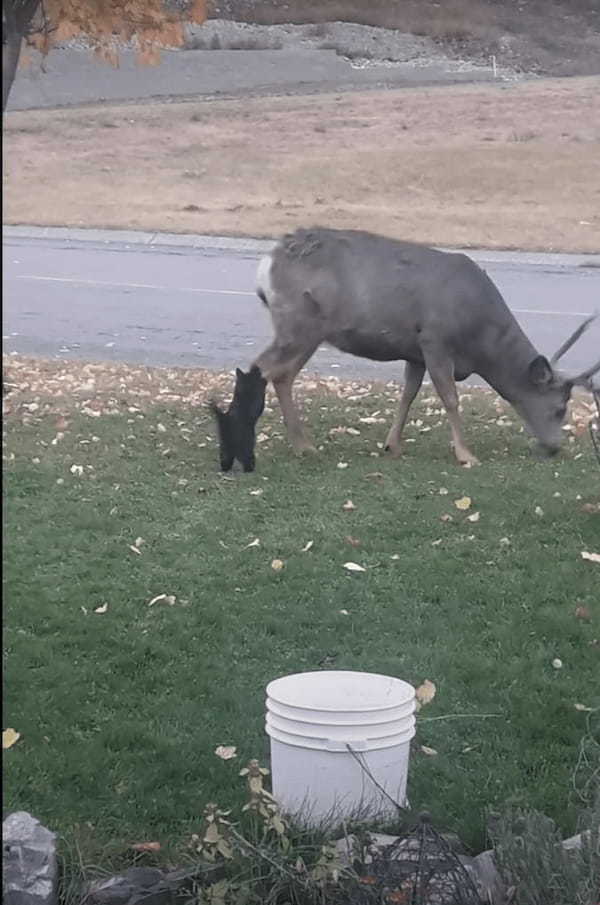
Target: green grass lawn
point(120, 711)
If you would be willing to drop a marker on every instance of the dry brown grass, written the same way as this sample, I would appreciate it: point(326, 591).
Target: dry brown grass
point(478, 165)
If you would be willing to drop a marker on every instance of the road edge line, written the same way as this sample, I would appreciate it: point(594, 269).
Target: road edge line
point(254, 246)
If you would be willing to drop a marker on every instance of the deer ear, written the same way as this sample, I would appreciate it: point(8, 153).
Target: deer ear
point(540, 372)
point(239, 373)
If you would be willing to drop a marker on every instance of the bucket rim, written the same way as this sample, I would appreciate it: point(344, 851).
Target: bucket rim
point(374, 731)
point(409, 689)
point(376, 717)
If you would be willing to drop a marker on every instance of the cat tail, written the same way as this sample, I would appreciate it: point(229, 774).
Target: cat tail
point(217, 411)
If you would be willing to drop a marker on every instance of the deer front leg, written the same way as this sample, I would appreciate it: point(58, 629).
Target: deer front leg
point(413, 378)
point(281, 366)
point(295, 429)
point(441, 371)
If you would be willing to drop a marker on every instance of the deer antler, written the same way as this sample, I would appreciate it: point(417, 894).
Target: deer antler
point(584, 379)
point(573, 339)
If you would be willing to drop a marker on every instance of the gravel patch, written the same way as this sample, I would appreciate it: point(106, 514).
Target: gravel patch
point(363, 46)
point(346, 37)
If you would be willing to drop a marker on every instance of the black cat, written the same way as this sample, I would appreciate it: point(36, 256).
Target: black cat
point(237, 425)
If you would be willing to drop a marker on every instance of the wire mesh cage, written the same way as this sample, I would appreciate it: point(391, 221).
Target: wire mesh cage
point(419, 868)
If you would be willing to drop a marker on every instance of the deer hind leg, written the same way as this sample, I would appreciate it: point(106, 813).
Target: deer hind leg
point(441, 371)
point(413, 378)
point(281, 365)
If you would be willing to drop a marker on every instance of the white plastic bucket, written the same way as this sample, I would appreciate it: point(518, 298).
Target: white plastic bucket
point(339, 743)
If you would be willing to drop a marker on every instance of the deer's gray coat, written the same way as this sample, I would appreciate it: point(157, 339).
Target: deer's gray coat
point(389, 300)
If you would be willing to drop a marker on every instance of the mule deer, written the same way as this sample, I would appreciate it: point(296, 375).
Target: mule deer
point(237, 426)
point(388, 300)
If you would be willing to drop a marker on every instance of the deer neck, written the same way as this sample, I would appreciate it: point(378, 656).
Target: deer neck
point(505, 367)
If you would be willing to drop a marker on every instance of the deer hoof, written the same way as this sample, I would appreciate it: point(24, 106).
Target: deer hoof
point(305, 448)
point(468, 461)
point(393, 449)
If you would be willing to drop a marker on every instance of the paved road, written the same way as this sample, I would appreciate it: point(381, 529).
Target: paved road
point(77, 77)
point(177, 305)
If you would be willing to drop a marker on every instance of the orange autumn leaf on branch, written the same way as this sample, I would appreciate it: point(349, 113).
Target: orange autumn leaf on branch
point(148, 23)
point(106, 25)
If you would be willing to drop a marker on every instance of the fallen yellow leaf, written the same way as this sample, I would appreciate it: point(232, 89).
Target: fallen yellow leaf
point(474, 517)
point(277, 565)
point(253, 543)
point(348, 506)
point(430, 752)
point(9, 738)
point(592, 557)
point(307, 546)
point(226, 752)
point(354, 567)
point(463, 503)
point(425, 693)
point(168, 598)
point(101, 609)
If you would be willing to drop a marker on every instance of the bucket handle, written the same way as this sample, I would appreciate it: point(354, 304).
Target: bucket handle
point(337, 744)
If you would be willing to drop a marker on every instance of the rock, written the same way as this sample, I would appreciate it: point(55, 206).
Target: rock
point(454, 843)
point(382, 840)
point(347, 845)
point(486, 877)
point(30, 869)
point(149, 886)
point(133, 886)
point(183, 880)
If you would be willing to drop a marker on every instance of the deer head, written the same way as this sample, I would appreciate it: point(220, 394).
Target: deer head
point(543, 404)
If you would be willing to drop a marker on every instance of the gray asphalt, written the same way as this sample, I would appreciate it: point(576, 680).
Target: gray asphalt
point(76, 77)
point(185, 306)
